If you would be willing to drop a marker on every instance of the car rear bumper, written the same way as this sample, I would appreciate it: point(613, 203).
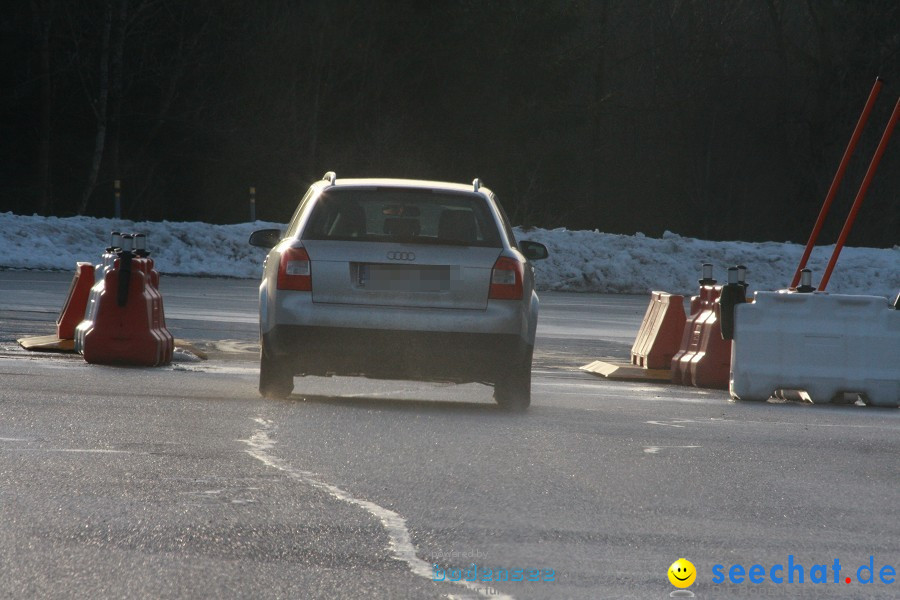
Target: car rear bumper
point(298, 309)
point(389, 354)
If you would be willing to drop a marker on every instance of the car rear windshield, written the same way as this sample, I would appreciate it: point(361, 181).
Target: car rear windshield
point(402, 215)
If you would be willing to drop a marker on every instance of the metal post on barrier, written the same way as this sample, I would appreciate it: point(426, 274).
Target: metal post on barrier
point(733, 293)
point(140, 245)
point(805, 286)
point(742, 278)
point(732, 275)
point(125, 256)
point(115, 241)
point(706, 271)
point(860, 196)
point(838, 176)
point(109, 257)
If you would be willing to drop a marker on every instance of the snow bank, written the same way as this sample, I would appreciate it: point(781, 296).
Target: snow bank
point(601, 262)
point(583, 261)
point(179, 248)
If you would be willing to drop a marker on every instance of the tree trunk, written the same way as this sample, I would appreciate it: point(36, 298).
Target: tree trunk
point(115, 87)
point(100, 138)
point(43, 13)
point(598, 14)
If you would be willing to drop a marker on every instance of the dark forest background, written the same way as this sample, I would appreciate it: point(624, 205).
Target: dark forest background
point(717, 119)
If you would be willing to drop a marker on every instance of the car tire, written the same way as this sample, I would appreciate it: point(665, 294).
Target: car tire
point(276, 379)
point(513, 390)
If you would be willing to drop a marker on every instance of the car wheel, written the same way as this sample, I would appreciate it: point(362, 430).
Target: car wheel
point(276, 379)
point(513, 390)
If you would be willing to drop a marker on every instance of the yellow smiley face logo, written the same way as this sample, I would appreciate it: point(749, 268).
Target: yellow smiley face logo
point(682, 573)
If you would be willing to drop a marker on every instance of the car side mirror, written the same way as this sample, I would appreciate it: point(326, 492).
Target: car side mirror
point(533, 250)
point(265, 238)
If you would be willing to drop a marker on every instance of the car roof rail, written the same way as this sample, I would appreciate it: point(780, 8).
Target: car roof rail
point(476, 183)
point(330, 177)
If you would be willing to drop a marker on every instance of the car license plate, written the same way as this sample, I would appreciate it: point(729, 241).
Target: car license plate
point(405, 278)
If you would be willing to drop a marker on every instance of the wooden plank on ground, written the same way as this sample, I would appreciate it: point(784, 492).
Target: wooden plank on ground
point(51, 343)
point(627, 372)
point(47, 343)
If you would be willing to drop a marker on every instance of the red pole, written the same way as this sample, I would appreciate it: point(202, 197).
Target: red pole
point(873, 166)
point(842, 168)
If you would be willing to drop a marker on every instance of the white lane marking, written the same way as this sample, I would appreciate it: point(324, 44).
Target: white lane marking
point(91, 451)
point(795, 424)
point(401, 545)
point(591, 390)
point(737, 422)
point(673, 423)
point(632, 397)
point(656, 449)
point(376, 394)
point(217, 369)
point(76, 450)
point(588, 383)
point(200, 314)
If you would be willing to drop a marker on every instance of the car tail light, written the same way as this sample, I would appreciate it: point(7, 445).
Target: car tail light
point(295, 270)
point(506, 279)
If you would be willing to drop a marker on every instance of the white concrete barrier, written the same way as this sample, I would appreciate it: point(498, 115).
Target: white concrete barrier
point(823, 344)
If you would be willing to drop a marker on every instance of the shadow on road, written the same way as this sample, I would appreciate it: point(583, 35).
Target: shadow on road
point(408, 405)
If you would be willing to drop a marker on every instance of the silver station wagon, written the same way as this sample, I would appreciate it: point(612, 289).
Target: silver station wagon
point(398, 279)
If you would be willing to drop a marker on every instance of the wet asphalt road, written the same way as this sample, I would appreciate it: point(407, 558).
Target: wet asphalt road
point(180, 482)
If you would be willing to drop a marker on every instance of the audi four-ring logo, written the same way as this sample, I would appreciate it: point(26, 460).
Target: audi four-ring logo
point(401, 255)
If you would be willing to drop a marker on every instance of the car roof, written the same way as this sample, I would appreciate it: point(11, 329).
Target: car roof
point(405, 183)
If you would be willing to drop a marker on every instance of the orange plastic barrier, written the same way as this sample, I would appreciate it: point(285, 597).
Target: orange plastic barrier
point(140, 250)
point(711, 365)
point(76, 303)
point(658, 338)
point(109, 259)
point(167, 340)
point(704, 359)
point(129, 325)
point(688, 347)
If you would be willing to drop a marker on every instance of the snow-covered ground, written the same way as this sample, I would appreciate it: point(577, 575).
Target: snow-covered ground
point(584, 261)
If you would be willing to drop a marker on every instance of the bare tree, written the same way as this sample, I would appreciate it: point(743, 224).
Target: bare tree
point(42, 11)
point(99, 106)
point(115, 88)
